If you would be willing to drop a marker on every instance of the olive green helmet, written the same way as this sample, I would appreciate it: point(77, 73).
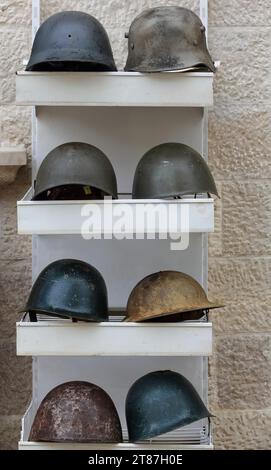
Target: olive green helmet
point(69, 288)
point(161, 402)
point(172, 170)
point(75, 170)
point(167, 38)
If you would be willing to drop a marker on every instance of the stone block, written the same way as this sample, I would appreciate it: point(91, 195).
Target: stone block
point(10, 428)
point(15, 372)
point(239, 279)
point(240, 142)
point(239, 13)
point(16, 12)
point(244, 75)
point(242, 430)
point(12, 245)
point(15, 285)
point(246, 218)
point(243, 371)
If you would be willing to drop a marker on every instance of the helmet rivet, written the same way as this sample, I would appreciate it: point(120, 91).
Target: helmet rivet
point(195, 43)
point(203, 29)
point(132, 46)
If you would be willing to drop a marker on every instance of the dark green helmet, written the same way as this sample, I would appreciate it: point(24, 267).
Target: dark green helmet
point(161, 402)
point(167, 38)
point(172, 170)
point(69, 288)
point(71, 41)
point(75, 170)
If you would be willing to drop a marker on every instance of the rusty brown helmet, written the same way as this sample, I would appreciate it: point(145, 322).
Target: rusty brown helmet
point(167, 38)
point(76, 412)
point(170, 296)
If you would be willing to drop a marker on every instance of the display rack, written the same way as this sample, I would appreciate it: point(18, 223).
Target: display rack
point(123, 114)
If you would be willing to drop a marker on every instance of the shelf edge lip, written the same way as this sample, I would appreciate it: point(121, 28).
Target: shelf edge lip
point(47, 324)
point(121, 73)
point(191, 201)
point(121, 446)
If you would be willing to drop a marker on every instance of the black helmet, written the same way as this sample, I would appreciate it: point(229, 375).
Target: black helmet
point(161, 402)
point(167, 38)
point(71, 41)
point(172, 170)
point(69, 288)
point(75, 171)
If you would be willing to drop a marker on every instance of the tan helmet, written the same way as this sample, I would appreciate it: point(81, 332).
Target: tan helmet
point(76, 412)
point(173, 295)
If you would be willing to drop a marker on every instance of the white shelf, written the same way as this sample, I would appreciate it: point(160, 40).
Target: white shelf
point(167, 446)
point(58, 337)
point(192, 89)
point(193, 437)
point(70, 217)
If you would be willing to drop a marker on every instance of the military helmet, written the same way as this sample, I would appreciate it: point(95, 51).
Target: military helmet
point(76, 412)
point(71, 41)
point(172, 170)
point(75, 170)
point(167, 38)
point(161, 402)
point(168, 296)
point(69, 288)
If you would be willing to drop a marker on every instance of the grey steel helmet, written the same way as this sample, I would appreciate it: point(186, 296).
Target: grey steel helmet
point(172, 170)
point(161, 402)
point(75, 170)
point(167, 38)
point(71, 41)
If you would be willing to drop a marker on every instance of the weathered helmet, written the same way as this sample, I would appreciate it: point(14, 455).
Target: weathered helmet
point(172, 170)
point(71, 41)
point(161, 402)
point(168, 296)
point(167, 38)
point(76, 412)
point(71, 289)
point(75, 170)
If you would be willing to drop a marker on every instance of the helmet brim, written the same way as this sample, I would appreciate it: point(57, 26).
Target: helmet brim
point(189, 62)
point(149, 316)
point(43, 58)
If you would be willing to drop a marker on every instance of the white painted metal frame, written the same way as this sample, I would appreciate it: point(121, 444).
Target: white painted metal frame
point(194, 368)
point(185, 439)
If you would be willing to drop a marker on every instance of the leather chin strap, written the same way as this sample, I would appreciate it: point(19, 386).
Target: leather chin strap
point(33, 317)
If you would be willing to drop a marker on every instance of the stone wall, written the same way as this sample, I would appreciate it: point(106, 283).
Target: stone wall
point(240, 262)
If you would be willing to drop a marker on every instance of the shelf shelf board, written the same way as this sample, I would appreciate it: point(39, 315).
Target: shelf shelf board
point(167, 446)
point(126, 89)
point(57, 337)
point(193, 437)
point(101, 217)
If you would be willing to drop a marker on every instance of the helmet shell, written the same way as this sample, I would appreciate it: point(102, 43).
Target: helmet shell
point(167, 294)
point(71, 41)
point(71, 289)
point(172, 170)
point(167, 38)
point(76, 163)
point(76, 412)
point(161, 402)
